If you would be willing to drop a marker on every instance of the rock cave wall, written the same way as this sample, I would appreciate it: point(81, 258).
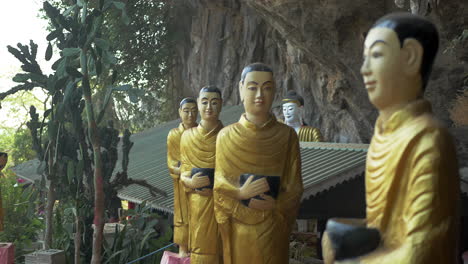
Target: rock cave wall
point(315, 48)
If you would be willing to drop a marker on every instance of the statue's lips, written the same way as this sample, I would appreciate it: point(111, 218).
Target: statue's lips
point(370, 85)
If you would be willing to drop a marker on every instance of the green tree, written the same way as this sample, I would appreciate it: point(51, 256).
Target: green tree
point(78, 153)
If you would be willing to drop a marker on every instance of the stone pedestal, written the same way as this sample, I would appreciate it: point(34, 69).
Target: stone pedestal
point(173, 258)
point(7, 253)
point(50, 256)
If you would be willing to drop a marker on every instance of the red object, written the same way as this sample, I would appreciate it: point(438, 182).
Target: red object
point(131, 205)
point(173, 258)
point(7, 253)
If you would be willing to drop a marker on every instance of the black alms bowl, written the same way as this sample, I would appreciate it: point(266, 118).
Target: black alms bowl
point(205, 172)
point(273, 182)
point(350, 241)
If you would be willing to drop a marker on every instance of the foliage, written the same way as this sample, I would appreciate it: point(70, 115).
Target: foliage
point(143, 233)
point(67, 137)
point(22, 222)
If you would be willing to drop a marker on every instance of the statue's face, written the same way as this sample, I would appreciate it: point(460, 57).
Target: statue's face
point(209, 105)
point(257, 92)
point(3, 162)
point(188, 114)
point(291, 112)
point(382, 68)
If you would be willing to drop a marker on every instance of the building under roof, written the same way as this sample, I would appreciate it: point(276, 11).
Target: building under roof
point(324, 165)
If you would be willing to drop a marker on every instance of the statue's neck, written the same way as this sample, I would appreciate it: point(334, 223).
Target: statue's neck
point(209, 125)
point(296, 124)
point(258, 120)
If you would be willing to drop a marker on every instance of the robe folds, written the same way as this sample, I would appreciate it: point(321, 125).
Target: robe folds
point(309, 134)
point(251, 235)
point(180, 199)
point(198, 150)
point(412, 189)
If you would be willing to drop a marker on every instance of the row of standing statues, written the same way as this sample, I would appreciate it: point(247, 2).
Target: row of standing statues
point(237, 189)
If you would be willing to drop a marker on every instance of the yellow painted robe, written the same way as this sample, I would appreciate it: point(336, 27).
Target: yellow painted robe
point(250, 235)
point(412, 189)
point(180, 199)
point(309, 134)
point(198, 150)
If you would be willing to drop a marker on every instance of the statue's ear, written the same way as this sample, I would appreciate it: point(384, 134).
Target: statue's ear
point(241, 92)
point(180, 111)
point(412, 56)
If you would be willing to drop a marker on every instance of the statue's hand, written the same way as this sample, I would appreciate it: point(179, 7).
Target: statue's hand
point(205, 192)
point(251, 189)
point(186, 180)
point(327, 249)
point(267, 204)
point(198, 180)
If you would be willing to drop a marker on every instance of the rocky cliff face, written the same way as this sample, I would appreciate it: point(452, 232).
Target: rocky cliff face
point(315, 48)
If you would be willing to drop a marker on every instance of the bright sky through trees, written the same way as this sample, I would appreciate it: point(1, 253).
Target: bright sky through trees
point(19, 22)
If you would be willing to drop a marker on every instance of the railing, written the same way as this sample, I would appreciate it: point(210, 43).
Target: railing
point(150, 254)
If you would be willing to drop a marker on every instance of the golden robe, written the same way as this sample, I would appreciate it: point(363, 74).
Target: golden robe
point(180, 199)
point(250, 235)
point(309, 134)
point(198, 150)
point(412, 189)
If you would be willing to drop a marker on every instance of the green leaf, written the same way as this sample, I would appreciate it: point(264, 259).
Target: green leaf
point(69, 10)
point(53, 35)
point(67, 52)
point(48, 54)
point(109, 58)
point(121, 7)
point(41, 168)
point(73, 72)
point(102, 43)
point(80, 3)
point(70, 171)
point(122, 88)
point(21, 77)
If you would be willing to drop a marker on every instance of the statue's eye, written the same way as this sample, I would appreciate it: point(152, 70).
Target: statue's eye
point(377, 54)
point(252, 88)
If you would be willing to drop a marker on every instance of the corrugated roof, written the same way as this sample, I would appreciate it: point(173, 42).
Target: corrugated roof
point(148, 162)
point(324, 164)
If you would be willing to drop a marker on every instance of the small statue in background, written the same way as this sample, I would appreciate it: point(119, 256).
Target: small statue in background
point(188, 115)
point(412, 182)
point(293, 107)
point(198, 154)
point(258, 183)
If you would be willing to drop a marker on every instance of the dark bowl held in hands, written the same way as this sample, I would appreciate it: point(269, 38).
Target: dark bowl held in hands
point(273, 183)
point(351, 241)
point(205, 172)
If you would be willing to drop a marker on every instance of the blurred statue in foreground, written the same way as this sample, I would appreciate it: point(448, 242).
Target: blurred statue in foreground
point(188, 116)
point(293, 107)
point(258, 183)
point(412, 184)
point(198, 154)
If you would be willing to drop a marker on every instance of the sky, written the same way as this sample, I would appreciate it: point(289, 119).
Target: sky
point(19, 22)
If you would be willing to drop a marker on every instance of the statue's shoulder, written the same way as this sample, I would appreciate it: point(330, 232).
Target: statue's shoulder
point(229, 129)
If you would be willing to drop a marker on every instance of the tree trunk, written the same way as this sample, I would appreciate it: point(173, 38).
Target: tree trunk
point(95, 142)
point(49, 216)
point(77, 239)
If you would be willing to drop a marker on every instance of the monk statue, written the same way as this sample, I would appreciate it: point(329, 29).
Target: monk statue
point(3, 162)
point(198, 152)
point(188, 115)
point(412, 183)
point(258, 183)
point(293, 107)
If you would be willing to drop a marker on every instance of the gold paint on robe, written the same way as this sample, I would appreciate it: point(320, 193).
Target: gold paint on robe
point(180, 199)
point(412, 189)
point(309, 134)
point(250, 235)
point(198, 150)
